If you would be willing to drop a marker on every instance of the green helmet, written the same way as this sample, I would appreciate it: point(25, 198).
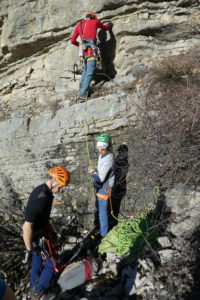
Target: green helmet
point(105, 138)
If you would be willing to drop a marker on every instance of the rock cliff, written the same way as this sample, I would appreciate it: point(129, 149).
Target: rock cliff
point(42, 125)
point(39, 123)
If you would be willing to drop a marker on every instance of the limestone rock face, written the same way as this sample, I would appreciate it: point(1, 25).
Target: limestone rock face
point(184, 204)
point(38, 125)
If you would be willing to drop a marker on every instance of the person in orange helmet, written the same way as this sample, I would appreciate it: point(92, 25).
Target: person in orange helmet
point(36, 229)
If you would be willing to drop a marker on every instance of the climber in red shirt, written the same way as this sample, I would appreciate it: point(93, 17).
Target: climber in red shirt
point(87, 31)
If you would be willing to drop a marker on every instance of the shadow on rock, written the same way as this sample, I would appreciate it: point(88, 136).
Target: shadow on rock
point(195, 291)
point(120, 187)
point(108, 49)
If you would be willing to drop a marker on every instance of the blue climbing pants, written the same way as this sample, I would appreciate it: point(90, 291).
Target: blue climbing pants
point(86, 77)
point(102, 209)
point(42, 271)
point(2, 288)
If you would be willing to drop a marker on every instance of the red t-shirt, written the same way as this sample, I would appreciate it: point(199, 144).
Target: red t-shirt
point(87, 29)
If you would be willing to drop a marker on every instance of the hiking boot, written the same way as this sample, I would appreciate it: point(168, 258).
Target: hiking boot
point(37, 295)
point(29, 296)
point(48, 296)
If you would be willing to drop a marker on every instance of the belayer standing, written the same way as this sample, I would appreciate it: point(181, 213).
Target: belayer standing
point(87, 30)
point(36, 229)
point(103, 181)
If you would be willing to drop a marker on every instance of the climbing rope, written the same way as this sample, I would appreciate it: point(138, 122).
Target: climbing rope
point(156, 191)
point(111, 208)
point(85, 125)
point(86, 131)
point(131, 235)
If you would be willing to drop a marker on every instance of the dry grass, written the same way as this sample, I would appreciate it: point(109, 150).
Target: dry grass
point(167, 144)
point(181, 69)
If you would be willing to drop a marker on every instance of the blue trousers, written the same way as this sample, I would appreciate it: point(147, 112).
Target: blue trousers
point(86, 77)
point(42, 271)
point(102, 209)
point(2, 288)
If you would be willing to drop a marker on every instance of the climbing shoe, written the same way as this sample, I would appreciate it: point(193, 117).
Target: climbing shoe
point(81, 99)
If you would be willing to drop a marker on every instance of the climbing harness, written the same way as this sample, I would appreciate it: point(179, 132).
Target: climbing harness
point(96, 55)
point(88, 44)
point(46, 249)
point(52, 256)
point(108, 197)
point(47, 246)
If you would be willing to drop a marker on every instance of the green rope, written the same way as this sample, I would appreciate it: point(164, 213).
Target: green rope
point(119, 220)
point(156, 190)
point(131, 236)
point(85, 125)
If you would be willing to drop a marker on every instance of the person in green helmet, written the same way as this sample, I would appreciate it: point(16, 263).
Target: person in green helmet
point(103, 181)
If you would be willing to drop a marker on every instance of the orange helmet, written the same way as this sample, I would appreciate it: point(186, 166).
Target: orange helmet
point(60, 174)
point(93, 15)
